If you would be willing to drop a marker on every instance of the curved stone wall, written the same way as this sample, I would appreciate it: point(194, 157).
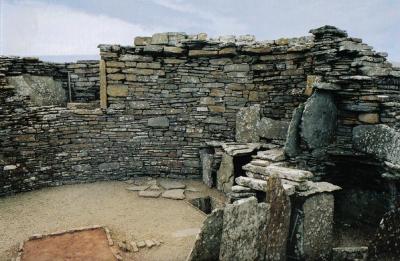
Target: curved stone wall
point(162, 101)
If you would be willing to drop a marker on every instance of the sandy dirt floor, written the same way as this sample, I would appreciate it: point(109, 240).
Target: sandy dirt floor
point(129, 217)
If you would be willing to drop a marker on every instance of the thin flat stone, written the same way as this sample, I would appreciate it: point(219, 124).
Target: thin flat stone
point(137, 188)
point(149, 194)
point(174, 194)
point(171, 184)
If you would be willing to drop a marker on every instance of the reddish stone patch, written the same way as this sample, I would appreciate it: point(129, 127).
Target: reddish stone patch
point(88, 245)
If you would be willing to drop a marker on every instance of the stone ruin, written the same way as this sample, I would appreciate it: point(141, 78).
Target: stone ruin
point(301, 134)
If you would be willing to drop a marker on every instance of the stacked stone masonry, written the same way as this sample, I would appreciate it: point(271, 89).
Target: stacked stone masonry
point(163, 99)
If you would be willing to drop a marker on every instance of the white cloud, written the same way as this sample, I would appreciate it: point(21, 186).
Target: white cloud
point(46, 29)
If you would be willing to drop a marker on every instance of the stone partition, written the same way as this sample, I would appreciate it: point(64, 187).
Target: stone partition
point(163, 99)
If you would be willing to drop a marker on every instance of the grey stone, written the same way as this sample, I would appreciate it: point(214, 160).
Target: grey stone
point(82, 167)
point(237, 68)
point(149, 194)
point(256, 184)
point(238, 188)
point(272, 155)
point(272, 129)
point(315, 227)
point(174, 194)
point(327, 86)
point(42, 90)
point(246, 124)
point(159, 38)
point(206, 167)
point(108, 166)
point(381, 141)
point(153, 49)
point(386, 242)
point(317, 187)
point(207, 245)
point(319, 120)
point(279, 222)
point(225, 174)
point(240, 149)
point(142, 40)
point(292, 143)
point(138, 188)
point(158, 122)
point(171, 184)
point(349, 253)
point(243, 224)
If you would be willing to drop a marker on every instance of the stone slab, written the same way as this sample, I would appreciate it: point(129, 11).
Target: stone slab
point(244, 222)
point(207, 245)
point(171, 184)
point(149, 194)
point(174, 194)
point(137, 188)
point(246, 124)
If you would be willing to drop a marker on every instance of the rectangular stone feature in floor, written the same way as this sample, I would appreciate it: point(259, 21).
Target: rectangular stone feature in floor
point(75, 246)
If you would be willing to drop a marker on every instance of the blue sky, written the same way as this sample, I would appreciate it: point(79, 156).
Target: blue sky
point(49, 27)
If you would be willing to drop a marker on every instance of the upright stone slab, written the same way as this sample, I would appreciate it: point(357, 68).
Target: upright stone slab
point(319, 120)
point(208, 242)
point(314, 227)
point(279, 222)
point(386, 243)
point(244, 226)
point(206, 167)
point(246, 124)
point(225, 174)
point(292, 143)
point(103, 85)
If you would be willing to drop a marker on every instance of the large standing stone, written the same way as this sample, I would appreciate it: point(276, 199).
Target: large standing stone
point(319, 120)
point(292, 144)
point(246, 124)
point(225, 174)
point(208, 242)
point(272, 129)
point(244, 224)
point(386, 243)
point(279, 222)
point(379, 140)
point(206, 167)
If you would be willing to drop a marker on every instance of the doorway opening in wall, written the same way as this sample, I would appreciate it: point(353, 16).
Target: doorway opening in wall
point(83, 84)
point(363, 200)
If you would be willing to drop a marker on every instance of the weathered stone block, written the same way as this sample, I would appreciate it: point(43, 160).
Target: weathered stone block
point(237, 68)
point(208, 242)
point(202, 53)
point(372, 118)
point(244, 224)
point(272, 129)
point(160, 38)
point(246, 124)
point(158, 122)
point(279, 222)
point(117, 90)
point(319, 120)
point(380, 141)
point(225, 174)
point(142, 40)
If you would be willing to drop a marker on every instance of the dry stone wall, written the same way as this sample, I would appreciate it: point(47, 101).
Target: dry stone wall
point(163, 99)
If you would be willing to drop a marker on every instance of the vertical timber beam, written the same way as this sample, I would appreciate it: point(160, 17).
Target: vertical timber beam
point(103, 85)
